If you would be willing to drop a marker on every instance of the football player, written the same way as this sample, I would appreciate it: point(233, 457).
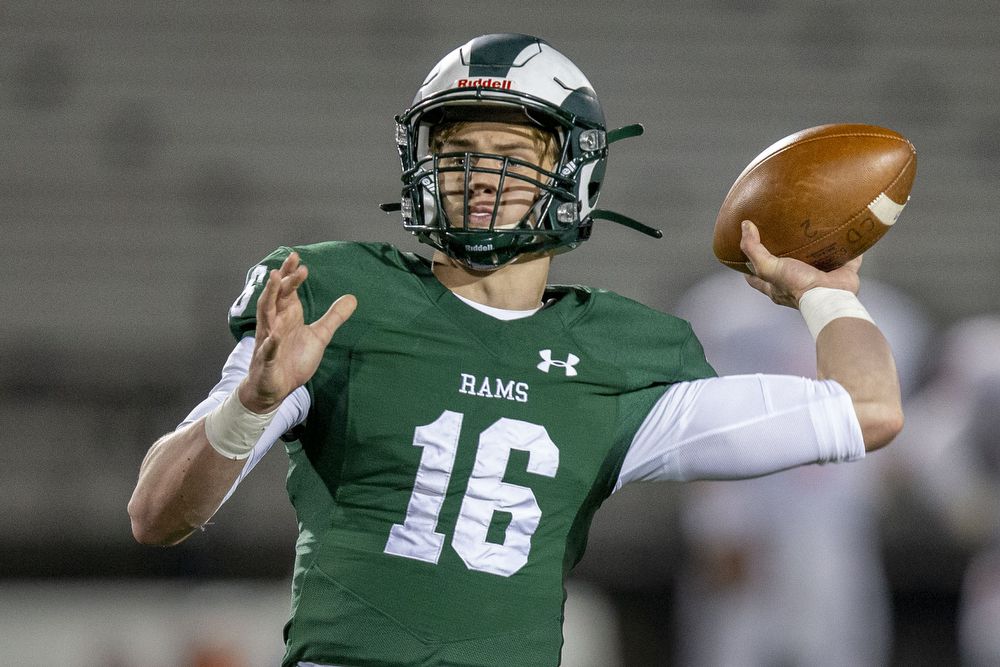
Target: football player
point(453, 423)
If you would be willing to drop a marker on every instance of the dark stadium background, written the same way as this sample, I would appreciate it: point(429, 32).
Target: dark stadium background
point(154, 151)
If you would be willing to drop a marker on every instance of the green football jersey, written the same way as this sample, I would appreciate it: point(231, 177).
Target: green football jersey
point(448, 470)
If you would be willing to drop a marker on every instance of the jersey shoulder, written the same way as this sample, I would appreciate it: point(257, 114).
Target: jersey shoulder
point(649, 344)
point(367, 270)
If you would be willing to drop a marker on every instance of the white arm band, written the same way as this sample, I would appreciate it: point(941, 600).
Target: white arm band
point(743, 426)
point(233, 430)
point(290, 413)
point(821, 305)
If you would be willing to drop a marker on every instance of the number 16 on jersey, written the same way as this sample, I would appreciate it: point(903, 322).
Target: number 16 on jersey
point(417, 536)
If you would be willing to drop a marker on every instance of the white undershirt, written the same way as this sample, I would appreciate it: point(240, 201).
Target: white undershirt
point(499, 313)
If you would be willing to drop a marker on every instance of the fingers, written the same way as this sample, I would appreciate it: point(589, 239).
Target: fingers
point(292, 274)
point(845, 277)
point(855, 264)
point(777, 278)
point(761, 261)
point(266, 304)
point(286, 279)
point(280, 283)
point(290, 263)
point(280, 295)
point(336, 314)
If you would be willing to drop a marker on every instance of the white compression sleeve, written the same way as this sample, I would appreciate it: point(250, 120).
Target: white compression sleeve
point(743, 426)
point(291, 412)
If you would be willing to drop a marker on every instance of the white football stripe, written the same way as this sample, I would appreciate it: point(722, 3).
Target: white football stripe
point(886, 210)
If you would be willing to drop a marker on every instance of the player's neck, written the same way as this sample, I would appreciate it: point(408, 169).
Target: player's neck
point(516, 286)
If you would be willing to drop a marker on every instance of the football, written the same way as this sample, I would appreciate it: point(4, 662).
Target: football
point(823, 195)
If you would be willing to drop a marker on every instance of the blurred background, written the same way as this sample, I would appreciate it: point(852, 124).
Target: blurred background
point(155, 151)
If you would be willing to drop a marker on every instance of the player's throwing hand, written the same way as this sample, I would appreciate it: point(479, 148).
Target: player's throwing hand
point(784, 279)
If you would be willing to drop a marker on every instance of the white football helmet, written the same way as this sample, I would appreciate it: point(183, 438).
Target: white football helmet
point(515, 78)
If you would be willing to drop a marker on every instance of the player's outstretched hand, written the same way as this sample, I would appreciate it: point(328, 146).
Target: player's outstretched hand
point(784, 279)
point(287, 351)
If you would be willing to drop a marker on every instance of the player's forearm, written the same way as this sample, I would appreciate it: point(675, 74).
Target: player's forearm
point(854, 352)
point(182, 482)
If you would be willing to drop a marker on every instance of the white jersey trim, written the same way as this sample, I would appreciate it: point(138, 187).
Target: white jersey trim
point(742, 426)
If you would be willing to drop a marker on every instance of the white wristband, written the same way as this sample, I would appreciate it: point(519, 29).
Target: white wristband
point(233, 430)
point(821, 305)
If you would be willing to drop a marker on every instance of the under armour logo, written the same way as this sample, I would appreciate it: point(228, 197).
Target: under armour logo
point(548, 362)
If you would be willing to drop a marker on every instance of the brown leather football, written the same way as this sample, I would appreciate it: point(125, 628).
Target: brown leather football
point(823, 195)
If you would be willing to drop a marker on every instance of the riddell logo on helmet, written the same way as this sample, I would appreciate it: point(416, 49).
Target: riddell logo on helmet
point(500, 84)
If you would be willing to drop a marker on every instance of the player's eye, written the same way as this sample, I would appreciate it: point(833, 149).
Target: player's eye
point(523, 166)
point(454, 161)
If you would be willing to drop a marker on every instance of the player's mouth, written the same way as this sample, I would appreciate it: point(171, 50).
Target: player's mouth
point(480, 215)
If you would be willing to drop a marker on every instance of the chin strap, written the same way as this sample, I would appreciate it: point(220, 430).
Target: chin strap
point(626, 132)
point(391, 207)
point(601, 214)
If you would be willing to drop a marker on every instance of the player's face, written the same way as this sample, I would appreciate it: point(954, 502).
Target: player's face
point(475, 199)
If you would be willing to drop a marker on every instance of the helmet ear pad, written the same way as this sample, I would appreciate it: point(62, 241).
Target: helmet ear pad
point(589, 184)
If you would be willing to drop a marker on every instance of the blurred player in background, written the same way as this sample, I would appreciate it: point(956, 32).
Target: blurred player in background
point(770, 561)
point(952, 467)
point(453, 423)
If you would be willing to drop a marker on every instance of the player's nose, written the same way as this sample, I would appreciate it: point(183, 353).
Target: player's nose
point(485, 176)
